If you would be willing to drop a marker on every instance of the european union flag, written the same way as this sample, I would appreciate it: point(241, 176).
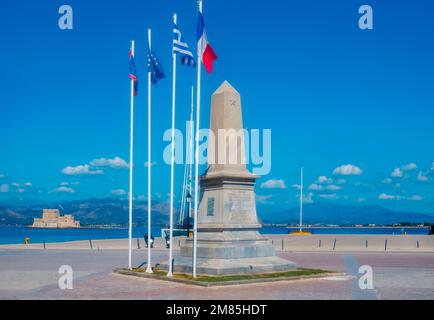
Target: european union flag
point(155, 68)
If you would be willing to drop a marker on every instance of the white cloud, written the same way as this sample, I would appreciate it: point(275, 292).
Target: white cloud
point(387, 180)
point(332, 187)
point(397, 173)
point(361, 199)
point(119, 192)
point(115, 163)
point(329, 196)
point(422, 177)
point(153, 164)
point(80, 170)
point(4, 188)
point(308, 198)
point(348, 170)
point(296, 186)
point(409, 167)
point(324, 180)
point(62, 190)
point(21, 190)
point(315, 187)
point(264, 199)
point(273, 184)
point(415, 197)
point(21, 185)
point(385, 196)
point(65, 184)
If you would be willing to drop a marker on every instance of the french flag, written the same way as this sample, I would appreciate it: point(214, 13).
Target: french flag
point(206, 52)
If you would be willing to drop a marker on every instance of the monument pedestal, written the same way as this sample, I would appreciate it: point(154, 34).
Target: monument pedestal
point(228, 240)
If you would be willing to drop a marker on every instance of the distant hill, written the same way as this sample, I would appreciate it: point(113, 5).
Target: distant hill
point(324, 213)
point(89, 212)
point(115, 212)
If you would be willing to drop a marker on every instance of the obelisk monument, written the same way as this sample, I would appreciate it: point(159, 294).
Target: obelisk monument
point(228, 239)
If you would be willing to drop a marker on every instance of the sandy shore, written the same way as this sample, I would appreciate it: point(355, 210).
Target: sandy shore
point(283, 243)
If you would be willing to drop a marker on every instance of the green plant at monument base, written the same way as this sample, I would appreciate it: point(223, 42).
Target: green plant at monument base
point(300, 272)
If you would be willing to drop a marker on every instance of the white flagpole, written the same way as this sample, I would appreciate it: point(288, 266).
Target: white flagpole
point(196, 161)
point(149, 268)
point(301, 199)
point(172, 164)
point(130, 213)
point(190, 151)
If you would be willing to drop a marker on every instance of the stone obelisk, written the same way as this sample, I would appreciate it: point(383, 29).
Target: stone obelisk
point(228, 239)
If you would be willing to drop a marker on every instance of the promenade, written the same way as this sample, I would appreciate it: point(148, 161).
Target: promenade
point(285, 243)
point(401, 272)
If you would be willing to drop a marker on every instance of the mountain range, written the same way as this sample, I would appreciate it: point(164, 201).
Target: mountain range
point(111, 211)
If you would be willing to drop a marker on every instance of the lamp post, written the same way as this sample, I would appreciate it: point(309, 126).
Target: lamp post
point(189, 212)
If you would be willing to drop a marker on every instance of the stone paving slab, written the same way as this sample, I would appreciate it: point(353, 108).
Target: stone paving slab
point(396, 276)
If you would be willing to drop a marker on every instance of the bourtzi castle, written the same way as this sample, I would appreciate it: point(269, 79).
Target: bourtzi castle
point(51, 218)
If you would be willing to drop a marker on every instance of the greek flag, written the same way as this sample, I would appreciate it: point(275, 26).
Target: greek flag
point(181, 48)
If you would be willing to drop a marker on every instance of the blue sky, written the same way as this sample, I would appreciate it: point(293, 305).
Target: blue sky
point(332, 94)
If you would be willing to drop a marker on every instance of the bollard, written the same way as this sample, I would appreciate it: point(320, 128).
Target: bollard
point(90, 244)
point(417, 243)
point(272, 242)
point(366, 244)
point(44, 245)
point(319, 243)
point(173, 264)
point(138, 243)
point(283, 248)
point(334, 245)
point(179, 243)
point(385, 245)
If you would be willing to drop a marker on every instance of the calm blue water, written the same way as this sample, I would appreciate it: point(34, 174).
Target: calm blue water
point(13, 235)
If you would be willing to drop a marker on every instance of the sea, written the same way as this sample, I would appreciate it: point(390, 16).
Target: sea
point(17, 235)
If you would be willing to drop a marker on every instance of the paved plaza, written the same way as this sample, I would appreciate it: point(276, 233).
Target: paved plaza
point(33, 274)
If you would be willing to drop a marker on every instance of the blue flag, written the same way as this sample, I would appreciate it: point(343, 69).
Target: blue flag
point(155, 68)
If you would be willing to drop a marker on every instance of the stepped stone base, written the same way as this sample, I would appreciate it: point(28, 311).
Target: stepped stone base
point(230, 266)
point(229, 252)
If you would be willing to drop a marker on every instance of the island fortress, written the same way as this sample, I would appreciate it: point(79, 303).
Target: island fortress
point(51, 218)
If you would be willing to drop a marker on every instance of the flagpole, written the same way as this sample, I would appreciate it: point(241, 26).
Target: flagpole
point(172, 160)
point(196, 161)
point(301, 199)
point(149, 268)
point(190, 151)
point(130, 212)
